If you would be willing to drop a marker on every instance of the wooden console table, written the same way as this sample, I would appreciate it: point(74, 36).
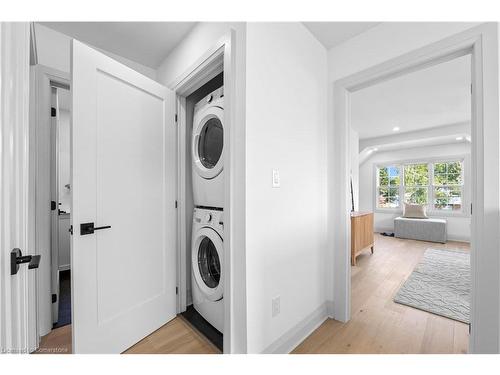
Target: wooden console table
point(361, 233)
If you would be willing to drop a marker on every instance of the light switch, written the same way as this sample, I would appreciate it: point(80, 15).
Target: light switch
point(276, 178)
point(275, 306)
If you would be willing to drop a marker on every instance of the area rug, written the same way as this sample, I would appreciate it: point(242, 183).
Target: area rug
point(440, 284)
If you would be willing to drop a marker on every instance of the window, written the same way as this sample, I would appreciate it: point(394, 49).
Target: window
point(448, 186)
point(416, 183)
point(439, 185)
point(388, 187)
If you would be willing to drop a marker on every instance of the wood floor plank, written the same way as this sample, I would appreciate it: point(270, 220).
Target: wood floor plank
point(175, 337)
point(378, 324)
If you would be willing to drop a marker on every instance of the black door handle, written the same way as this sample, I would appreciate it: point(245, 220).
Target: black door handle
point(17, 258)
point(88, 228)
point(104, 227)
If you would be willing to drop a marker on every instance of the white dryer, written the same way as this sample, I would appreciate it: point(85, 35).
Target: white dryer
point(207, 258)
point(208, 150)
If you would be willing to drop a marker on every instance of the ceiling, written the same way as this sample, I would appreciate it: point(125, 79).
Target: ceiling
point(331, 34)
point(436, 96)
point(147, 43)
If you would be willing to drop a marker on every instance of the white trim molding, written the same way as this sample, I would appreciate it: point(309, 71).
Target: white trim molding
point(482, 43)
point(220, 57)
point(17, 316)
point(42, 77)
point(298, 333)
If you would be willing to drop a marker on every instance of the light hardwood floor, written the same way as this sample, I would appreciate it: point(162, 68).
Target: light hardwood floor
point(175, 337)
point(379, 325)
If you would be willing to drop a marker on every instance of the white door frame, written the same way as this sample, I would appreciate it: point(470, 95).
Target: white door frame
point(210, 63)
point(17, 315)
point(40, 190)
point(482, 43)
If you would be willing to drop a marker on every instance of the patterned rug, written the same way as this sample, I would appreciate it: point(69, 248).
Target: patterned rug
point(440, 284)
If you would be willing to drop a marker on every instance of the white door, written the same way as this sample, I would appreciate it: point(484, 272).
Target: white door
point(17, 291)
point(123, 176)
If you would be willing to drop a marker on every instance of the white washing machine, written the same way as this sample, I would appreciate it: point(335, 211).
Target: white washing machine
point(208, 150)
point(207, 258)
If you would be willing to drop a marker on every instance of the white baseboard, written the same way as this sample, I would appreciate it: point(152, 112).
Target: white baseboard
point(329, 309)
point(451, 237)
point(459, 238)
point(293, 337)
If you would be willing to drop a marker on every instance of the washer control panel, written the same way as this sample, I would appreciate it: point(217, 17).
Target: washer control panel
point(212, 218)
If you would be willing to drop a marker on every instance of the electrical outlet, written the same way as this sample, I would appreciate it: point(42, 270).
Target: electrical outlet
point(276, 178)
point(275, 306)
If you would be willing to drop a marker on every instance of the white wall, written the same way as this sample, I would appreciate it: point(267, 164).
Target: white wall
point(281, 81)
point(458, 226)
point(387, 41)
point(203, 37)
point(64, 242)
point(286, 129)
point(54, 49)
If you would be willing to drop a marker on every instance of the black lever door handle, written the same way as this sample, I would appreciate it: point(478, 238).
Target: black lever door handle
point(104, 227)
point(88, 228)
point(17, 258)
point(35, 262)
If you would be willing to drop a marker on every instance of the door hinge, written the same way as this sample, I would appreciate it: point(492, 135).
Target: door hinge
point(175, 204)
point(470, 327)
point(471, 208)
point(70, 230)
point(176, 290)
point(54, 298)
point(52, 112)
point(53, 205)
point(176, 118)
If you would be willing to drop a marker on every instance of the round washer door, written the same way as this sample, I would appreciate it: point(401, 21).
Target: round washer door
point(208, 142)
point(206, 258)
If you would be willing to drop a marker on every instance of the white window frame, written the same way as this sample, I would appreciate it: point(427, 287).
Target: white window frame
point(430, 202)
point(462, 188)
point(429, 181)
point(377, 186)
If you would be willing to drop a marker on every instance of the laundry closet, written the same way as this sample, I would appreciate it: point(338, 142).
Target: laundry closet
point(144, 203)
point(202, 165)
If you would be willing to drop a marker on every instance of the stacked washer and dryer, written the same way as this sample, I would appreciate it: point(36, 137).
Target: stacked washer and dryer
point(207, 253)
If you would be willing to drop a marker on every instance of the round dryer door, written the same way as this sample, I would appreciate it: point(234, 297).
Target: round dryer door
point(208, 142)
point(207, 263)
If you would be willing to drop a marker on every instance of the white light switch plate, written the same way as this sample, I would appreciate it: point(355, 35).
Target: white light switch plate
point(275, 306)
point(276, 178)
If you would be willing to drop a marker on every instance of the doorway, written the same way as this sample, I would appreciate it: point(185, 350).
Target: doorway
point(411, 146)
point(50, 192)
point(200, 278)
point(60, 187)
point(475, 42)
